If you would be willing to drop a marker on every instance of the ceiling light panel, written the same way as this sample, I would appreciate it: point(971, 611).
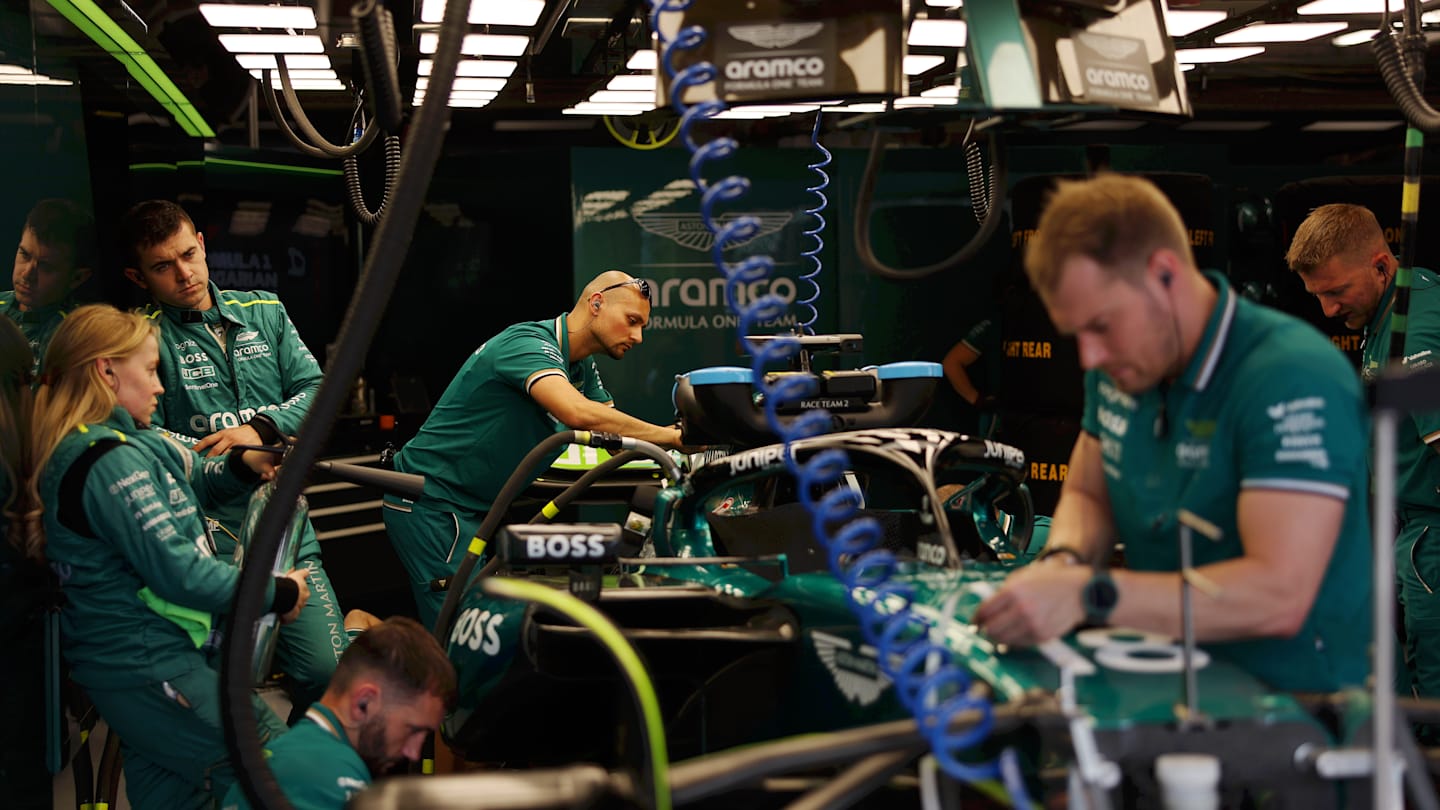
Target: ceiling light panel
point(481, 44)
point(917, 63)
point(1200, 56)
point(1349, 38)
point(298, 75)
point(489, 12)
point(1280, 32)
point(643, 60)
point(623, 97)
point(294, 61)
point(496, 68)
point(225, 15)
point(272, 43)
point(1180, 23)
point(631, 82)
point(937, 33)
point(466, 83)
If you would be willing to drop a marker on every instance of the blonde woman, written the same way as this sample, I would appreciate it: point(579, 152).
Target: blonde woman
point(121, 530)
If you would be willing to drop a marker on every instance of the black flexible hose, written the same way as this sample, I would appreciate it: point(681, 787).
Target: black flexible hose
point(979, 189)
point(1396, 69)
point(583, 483)
point(714, 774)
point(520, 478)
point(967, 252)
point(389, 246)
point(378, 58)
point(268, 94)
point(859, 781)
point(292, 103)
point(357, 195)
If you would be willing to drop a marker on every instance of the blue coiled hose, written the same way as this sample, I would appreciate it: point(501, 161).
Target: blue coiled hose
point(907, 653)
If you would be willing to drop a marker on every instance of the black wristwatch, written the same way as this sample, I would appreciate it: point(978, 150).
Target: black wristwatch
point(1099, 597)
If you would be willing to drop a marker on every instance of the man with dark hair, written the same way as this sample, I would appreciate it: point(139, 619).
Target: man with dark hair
point(1200, 401)
point(388, 695)
point(55, 256)
point(235, 372)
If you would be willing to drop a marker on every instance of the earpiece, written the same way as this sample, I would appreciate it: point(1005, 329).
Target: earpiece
point(1380, 268)
point(110, 372)
point(1166, 277)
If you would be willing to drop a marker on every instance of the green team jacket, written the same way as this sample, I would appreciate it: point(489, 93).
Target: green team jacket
point(265, 369)
point(139, 526)
point(1417, 464)
point(37, 324)
point(313, 764)
point(265, 376)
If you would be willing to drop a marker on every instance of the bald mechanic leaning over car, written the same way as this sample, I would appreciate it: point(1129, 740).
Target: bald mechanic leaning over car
point(533, 379)
point(1196, 399)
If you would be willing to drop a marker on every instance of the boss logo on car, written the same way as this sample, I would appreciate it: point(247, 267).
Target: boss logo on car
point(539, 543)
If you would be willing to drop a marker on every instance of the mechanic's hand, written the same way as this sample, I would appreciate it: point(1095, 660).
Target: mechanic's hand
point(220, 441)
point(1035, 604)
point(358, 621)
point(262, 463)
point(298, 575)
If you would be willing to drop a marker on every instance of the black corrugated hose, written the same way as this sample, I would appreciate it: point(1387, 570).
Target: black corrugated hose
point(377, 282)
point(967, 252)
point(1401, 57)
point(378, 57)
point(357, 195)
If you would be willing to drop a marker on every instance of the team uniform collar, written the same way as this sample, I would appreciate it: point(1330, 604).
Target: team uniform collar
point(1382, 311)
point(322, 716)
point(43, 314)
point(562, 336)
point(1201, 368)
point(215, 314)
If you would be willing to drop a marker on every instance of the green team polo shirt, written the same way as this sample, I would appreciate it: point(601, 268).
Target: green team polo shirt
point(485, 422)
point(1266, 402)
point(38, 325)
point(1417, 464)
point(313, 764)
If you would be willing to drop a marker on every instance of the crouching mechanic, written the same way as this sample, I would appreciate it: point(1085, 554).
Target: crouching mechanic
point(533, 379)
point(235, 372)
point(389, 693)
point(1196, 400)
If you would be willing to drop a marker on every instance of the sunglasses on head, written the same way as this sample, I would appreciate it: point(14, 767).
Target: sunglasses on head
point(639, 283)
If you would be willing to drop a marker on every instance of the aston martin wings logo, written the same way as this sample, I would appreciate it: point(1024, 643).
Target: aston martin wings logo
point(776, 36)
point(857, 675)
point(689, 229)
point(1113, 48)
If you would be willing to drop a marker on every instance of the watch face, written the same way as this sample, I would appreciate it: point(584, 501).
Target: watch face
point(1100, 595)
